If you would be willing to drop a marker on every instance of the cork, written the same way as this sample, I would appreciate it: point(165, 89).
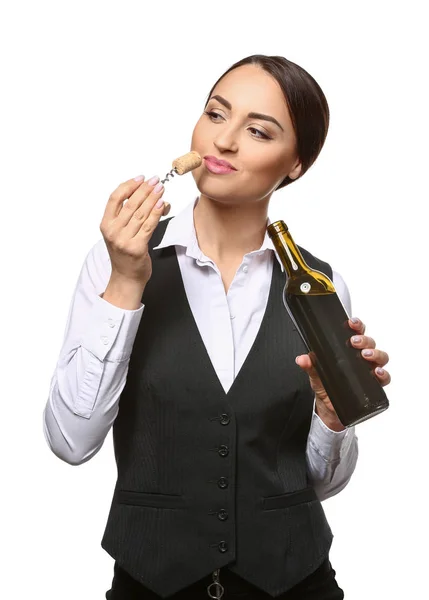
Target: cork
point(187, 162)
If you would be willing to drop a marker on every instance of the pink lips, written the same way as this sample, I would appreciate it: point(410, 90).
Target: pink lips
point(218, 167)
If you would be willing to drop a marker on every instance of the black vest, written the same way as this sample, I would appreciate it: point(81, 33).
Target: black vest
point(208, 479)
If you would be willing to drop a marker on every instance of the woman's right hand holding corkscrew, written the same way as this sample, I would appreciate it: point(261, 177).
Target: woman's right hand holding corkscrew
point(132, 213)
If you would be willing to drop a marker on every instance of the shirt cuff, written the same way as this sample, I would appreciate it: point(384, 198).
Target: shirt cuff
point(110, 331)
point(327, 443)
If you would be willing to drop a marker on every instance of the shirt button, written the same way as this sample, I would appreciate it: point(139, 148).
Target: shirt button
point(111, 323)
point(222, 515)
point(105, 340)
point(232, 317)
point(223, 546)
point(245, 269)
point(225, 419)
point(223, 450)
point(223, 483)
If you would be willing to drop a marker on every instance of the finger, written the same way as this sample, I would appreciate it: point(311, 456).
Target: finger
point(148, 226)
point(118, 196)
point(362, 341)
point(138, 222)
point(304, 361)
point(383, 376)
point(357, 325)
point(136, 202)
point(376, 356)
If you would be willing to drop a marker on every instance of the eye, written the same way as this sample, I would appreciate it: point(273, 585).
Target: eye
point(216, 118)
point(212, 115)
point(261, 136)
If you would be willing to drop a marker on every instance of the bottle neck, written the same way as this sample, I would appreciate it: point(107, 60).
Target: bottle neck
point(287, 250)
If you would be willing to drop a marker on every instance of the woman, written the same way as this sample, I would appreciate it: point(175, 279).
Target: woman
point(224, 446)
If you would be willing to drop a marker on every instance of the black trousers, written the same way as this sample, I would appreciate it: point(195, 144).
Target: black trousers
point(320, 585)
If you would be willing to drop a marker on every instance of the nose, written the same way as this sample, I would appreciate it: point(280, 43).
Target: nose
point(226, 140)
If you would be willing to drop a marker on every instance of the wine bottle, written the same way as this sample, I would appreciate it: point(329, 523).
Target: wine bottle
point(322, 322)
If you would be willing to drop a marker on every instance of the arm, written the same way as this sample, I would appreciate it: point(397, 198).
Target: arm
point(92, 367)
point(331, 457)
point(331, 453)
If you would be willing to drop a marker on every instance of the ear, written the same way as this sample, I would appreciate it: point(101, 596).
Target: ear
point(296, 170)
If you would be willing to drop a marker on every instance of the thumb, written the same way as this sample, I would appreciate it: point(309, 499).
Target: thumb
point(304, 361)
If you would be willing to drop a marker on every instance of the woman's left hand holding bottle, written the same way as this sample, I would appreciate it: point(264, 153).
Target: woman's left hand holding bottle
point(378, 359)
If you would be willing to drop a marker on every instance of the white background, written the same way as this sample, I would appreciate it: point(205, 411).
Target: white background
point(94, 93)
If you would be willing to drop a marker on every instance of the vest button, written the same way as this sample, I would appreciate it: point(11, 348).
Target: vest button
point(223, 483)
point(223, 450)
point(222, 515)
point(223, 546)
point(225, 419)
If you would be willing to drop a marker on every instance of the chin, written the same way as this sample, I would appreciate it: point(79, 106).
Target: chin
point(218, 190)
point(228, 190)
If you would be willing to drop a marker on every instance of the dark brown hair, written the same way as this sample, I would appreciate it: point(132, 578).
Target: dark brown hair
point(306, 102)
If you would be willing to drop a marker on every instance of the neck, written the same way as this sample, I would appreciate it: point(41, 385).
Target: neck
point(226, 232)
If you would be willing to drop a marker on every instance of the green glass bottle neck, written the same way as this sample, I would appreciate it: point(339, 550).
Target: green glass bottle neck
point(287, 250)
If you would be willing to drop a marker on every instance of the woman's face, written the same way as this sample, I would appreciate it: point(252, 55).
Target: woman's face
point(260, 146)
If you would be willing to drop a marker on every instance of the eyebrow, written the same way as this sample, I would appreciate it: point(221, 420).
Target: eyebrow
point(251, 115)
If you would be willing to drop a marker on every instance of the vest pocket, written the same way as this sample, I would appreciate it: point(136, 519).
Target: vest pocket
point(287, 500)
point(149, 499)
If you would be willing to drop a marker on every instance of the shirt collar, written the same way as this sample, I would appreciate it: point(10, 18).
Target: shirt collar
point(180, 231)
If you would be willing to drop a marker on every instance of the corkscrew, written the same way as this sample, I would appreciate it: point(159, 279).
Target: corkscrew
point(183, 165)
point(170, 174)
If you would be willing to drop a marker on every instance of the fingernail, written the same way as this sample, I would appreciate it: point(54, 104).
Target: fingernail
point(356, 339)
point(139, 178)
point(354, 320)
point(379, 371)
point(367, 352)
point(153, 180)
point(160, 203)
point(158, 188)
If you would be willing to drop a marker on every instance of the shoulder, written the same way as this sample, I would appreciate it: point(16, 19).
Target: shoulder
point(342, 291)
point(338, 281)
point(315, 262)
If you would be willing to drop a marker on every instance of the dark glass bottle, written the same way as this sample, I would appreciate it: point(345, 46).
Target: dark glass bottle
point(322, 321)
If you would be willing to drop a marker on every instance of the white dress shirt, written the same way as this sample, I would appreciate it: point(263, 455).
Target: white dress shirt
point(93, 364)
